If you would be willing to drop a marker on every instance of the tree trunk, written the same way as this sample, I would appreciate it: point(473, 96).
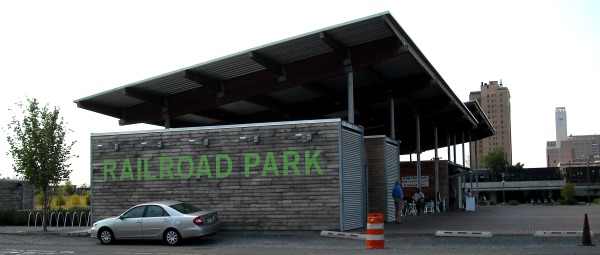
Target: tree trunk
point(45, 208)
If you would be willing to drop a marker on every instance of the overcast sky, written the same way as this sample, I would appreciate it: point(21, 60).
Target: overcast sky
point(547, 53)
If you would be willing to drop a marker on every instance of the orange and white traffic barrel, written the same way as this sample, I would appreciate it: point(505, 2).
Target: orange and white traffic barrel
point(375, 239)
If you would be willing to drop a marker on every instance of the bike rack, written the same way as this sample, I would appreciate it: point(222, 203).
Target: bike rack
point(80, 217)
point(66, 219)
point(57, 218)
point(29, 218)
point(73, 219)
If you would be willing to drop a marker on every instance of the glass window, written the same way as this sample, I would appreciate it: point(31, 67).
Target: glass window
point(185, 208)
point(155, 211)
point(135, 212)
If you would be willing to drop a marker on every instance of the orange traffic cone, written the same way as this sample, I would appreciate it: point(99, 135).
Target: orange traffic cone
point(587, 238)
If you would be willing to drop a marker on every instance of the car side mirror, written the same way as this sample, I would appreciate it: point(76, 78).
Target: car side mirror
point(120, 217)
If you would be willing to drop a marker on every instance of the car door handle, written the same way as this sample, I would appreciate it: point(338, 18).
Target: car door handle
point(139, 221)
point(165, 220)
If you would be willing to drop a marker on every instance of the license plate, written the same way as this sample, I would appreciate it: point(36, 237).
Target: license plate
point(209, 220)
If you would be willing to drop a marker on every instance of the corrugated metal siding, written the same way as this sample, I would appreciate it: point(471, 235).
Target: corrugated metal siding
point(392, 166)
point(353, 181)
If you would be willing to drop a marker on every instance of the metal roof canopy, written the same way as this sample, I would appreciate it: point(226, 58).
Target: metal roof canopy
point(302, 78)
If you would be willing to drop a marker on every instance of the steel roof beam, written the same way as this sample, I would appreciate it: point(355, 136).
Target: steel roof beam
point(334, 45)
point(143, 95)
point(268, 63)
point(113, 112)
point(203, 80)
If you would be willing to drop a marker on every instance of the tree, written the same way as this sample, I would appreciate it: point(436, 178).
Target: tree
point(69, 188)
point(568, 193)
point(496, 162)
point(75, 200)
point(39, 149)
point(60, 198)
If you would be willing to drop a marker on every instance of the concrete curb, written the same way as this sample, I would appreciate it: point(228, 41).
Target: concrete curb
point(464, 233)
point(326, 233)
point(560, 233)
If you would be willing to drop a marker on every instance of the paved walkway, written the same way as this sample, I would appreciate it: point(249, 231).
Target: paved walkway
point(500, 220)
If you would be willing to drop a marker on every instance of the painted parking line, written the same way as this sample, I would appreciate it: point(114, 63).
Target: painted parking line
point(464, 233)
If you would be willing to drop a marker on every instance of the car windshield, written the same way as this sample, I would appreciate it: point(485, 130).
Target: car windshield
point(185, 208)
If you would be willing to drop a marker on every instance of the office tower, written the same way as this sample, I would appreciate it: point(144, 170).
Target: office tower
point(495, 102)
point(561, 124)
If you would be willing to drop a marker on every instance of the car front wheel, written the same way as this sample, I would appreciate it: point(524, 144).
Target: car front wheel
point(106, 236)
point(172, 237)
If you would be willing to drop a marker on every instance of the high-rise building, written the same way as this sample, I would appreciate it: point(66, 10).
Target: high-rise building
point(561, 124)
point(495, 102)
point(569, 149)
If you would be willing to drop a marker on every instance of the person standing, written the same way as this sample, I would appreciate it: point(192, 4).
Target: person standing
point(398, 194)
point(419, 199)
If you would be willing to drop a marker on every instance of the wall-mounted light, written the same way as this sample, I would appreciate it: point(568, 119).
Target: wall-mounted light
point(245, 139)
point(305, 137)
point(99, 146)
point(159, 144)
point(116, 147)
point(203, 141)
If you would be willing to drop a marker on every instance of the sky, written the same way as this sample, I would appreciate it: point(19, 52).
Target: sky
point(547, 53)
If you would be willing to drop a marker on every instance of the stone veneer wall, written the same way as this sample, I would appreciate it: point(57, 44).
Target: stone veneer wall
point(16, 195)
point(267, 199)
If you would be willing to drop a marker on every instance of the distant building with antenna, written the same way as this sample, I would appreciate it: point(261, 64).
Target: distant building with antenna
point(495, 102)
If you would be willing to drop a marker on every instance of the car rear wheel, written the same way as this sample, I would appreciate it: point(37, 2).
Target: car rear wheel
point(172, 237)
point(106, 236)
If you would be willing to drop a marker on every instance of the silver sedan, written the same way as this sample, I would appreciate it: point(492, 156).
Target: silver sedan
point(170, 221)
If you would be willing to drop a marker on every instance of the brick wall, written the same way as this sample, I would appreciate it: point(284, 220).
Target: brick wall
point(267, 196)
point(427, 169)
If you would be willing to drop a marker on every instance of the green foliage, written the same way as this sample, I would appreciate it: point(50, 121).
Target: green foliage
point(496, 162)
point(493, 202)
point(38, 146)
point(513, 202)
point(567, 202)
point(75, 200)
point(88, 197)
point(21, 218)
point(60, 201)
point(68, 188)
point(13, 218)
point(597, 201)
point(568, 193)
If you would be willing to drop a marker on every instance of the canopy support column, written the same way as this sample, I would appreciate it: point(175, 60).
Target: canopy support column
point(418, 127)
point(349, 73)
point(392, 119)
point(436, 166)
